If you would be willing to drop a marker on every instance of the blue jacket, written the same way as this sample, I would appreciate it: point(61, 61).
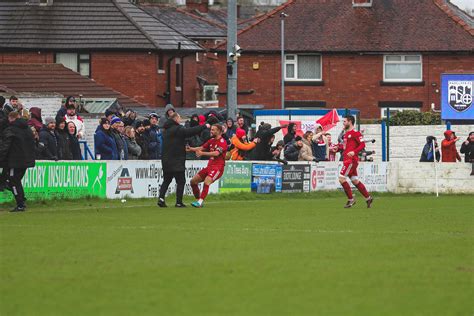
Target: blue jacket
point(105, 145)
point(155, 143)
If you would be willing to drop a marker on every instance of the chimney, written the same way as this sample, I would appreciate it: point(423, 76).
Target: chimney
point(200, 5)
point(362, 3)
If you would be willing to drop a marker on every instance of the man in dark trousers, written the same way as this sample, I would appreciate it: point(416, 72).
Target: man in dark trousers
point(17, 154)
point(174, 156)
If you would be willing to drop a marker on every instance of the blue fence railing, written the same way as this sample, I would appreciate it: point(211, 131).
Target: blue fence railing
point(87, 152)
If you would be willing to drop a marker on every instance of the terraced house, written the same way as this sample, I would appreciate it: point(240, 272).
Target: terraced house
point(112, 42)
point(365, 54)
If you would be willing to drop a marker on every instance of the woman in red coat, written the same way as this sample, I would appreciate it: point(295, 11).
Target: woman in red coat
point(449, 153)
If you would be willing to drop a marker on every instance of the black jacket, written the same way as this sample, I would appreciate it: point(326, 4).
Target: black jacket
point(50, 141)
point(263, 149)
point(41, 152)
point(17, 148)
point(427, 153)
point(64, 145)
point(174, 142)
point(468, 151)
point(292, 152)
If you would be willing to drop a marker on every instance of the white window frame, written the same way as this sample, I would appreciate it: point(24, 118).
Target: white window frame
point(295, 62)
point(383, 111)
point(403, 61)
point(79, 60)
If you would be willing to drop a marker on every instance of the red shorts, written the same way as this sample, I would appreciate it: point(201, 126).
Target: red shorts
point(214, 173)
point(349, 169)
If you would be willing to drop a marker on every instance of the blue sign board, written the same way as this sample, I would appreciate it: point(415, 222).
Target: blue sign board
point(457, 96)
point(266, 178)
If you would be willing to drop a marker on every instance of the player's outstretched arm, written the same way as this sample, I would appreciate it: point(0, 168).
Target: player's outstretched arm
point(201, 153)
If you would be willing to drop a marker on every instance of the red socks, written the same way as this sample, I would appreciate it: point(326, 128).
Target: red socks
point(361, 187)
point(205, 190)
point(348, 190)
point(196, 191)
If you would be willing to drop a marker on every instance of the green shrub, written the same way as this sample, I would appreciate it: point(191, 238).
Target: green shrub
point(415, 118)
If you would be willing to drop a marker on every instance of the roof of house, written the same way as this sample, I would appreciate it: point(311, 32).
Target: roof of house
point(85, 24)
point(336, 26)
point(186, 23)
point(55, 78)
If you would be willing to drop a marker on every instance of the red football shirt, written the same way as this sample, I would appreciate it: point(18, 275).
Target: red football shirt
point(219, 145)
point(353, 141)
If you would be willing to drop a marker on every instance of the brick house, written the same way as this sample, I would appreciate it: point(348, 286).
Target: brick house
point(112, 42)
point(364, 54)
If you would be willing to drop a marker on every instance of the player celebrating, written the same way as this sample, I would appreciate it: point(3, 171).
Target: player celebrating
point(215, 148)
point(353, 144)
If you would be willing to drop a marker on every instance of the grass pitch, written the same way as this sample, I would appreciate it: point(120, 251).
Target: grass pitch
point(240, 255)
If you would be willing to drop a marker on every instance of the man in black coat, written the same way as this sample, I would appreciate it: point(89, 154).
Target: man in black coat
point(174, 156)
point(17, 154)
point(263, 149)
point(49, 138)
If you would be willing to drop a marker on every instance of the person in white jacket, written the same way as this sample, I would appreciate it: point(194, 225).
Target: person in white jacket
point(71, 116)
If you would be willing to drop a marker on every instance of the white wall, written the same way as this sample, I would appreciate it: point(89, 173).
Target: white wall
point(404, 177)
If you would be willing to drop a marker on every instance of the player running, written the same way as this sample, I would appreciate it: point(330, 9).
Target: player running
point(353, 144)
point(215, 148)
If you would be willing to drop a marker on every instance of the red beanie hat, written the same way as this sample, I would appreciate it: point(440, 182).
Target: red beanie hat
point(202, 119)
point(240, 133)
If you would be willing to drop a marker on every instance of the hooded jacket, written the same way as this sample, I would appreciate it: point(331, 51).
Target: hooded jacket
point(263, 149)
point(427, 153)
point(468, 151)
point(36, 120)
point(165, 117)
point(449, 152)
point(290, 135)
point(134, 150)
point(240, 148)
point(17, 148)
point(104, 144)
point(50, 141)
point(174, 145)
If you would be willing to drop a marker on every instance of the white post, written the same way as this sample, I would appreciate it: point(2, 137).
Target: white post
point(435, 169)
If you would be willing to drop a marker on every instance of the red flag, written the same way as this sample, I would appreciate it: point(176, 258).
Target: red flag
point(329, 120)
point(299, 132)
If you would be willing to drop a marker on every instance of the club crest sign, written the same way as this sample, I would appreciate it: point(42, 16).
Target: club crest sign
point(460, 95)
point(457, 97)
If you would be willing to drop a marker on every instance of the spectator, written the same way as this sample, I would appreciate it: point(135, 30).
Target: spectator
point(169, 109)
point(240, 145)
point(75, 148)
point(15, 104)
point(25, 114)
point(109, 114)
point(427, 153)
point(291, 134)
point(332, 148)
point(116, 131)
point(105, 146)
point(140, 128)
point(277, 150)
point(231, 128)
point(292, 150)
point(49, 138)
point(449, 152)
point(41, 152)
point(319, 144)
point(17, 153)
point(265, 134)
point(130, 118)
point(64, 144)
point(195, 140)
point(36, 120)
point(306, 151)
point(467, 148)
point(202, 119)
point(154, 138)
point(134, 150)
point(241, 124)
point(71, 116)
point(63, 110)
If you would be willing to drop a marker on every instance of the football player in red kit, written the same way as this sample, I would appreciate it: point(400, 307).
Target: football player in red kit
point(353, 144)
point(216, 149)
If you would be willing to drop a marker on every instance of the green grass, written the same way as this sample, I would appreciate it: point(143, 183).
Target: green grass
point(240, 255)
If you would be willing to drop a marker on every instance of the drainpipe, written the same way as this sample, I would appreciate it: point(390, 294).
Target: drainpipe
point(168, 96)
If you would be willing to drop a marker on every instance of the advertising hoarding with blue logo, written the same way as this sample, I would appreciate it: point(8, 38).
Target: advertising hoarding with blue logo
point(457, 96)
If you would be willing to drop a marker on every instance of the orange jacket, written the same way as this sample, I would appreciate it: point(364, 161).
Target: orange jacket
point(239, 145)
point(449, 152)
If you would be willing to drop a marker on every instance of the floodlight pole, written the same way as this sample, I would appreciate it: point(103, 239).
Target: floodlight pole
point(282, 19)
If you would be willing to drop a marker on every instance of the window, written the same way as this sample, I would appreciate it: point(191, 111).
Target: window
point(402, 68)
point(76, 62)
point(209, 93)
point(161, 64)
point(383, 111)
point(303, 67)
point(178, 74)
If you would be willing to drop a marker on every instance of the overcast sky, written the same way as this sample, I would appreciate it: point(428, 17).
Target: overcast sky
point(463, 3)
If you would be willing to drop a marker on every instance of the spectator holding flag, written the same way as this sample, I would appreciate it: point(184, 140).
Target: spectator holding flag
point(427, 153)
